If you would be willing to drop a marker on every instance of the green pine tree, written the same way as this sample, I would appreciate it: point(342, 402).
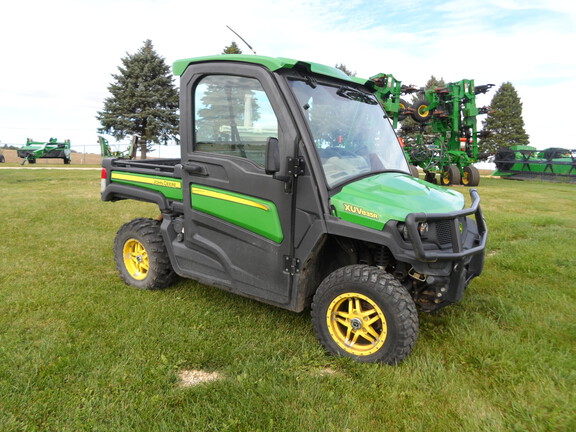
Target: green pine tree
point(344, 69)
point(504, 124)
point(232, 49)
point(144, 100)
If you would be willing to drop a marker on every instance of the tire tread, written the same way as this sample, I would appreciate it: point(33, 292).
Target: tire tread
point(147, 230)
point(385, 285)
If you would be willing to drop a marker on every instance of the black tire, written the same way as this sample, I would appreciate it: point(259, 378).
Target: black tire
point(420, 114)
point(450, 176)
point(402, 111)
point(471, 176)
point(414, 171)
point(141, 256)
point(2, 160)
point(67, 161)
point(430, 177)
point(389, 328)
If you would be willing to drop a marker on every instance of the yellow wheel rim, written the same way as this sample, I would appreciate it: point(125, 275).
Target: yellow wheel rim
point(357, 324)
point(422, 111)
point(136, 259)
point(466, 178)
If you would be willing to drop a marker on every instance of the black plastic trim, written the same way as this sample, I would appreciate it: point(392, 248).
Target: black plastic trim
point(413, 219)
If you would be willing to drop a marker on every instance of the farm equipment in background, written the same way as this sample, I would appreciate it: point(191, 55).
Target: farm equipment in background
point(451, 112)
point(129, 153)
point(389, 92)
point(51, 149)
point(528, 163)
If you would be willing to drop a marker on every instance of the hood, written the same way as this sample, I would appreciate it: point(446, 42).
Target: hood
point(375, 200)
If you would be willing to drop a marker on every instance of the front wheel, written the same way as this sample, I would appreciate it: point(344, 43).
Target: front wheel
point(141, 256)
point(365, 313)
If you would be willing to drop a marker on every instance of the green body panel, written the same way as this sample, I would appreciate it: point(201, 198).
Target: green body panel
point(170, 187)
point(254, 214)
point(373, 201)
point(272, 63)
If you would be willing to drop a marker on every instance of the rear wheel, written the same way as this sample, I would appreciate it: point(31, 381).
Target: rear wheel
point(364, 313)
point(471, 176)
point(141, 256)
point(450, 175)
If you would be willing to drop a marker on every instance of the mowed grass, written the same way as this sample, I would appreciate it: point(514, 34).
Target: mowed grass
point(81, 351)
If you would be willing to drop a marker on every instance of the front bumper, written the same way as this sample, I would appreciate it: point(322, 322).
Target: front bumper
point(463, 240)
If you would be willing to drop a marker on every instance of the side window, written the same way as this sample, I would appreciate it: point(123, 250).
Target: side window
point(233, 116)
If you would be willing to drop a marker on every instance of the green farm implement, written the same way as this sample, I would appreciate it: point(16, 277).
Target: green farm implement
point(51, 149)
point(106, 150)
point(527, 163)
point(451, 113)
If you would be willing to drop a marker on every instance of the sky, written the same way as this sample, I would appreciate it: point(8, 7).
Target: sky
point(57, 58)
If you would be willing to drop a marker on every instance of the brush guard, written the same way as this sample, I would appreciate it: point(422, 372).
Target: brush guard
point(458, 249)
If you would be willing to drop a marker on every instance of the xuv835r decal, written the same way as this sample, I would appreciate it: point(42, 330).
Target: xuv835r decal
point(254, 214)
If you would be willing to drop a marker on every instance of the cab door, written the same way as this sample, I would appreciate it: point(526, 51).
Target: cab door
point(238, 218)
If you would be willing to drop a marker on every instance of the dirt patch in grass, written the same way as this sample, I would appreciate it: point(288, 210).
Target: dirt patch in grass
point(189, 378)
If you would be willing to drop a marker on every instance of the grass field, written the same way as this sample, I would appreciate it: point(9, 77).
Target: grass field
point(81, 351)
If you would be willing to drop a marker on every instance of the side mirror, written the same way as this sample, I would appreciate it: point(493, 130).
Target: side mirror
point(272, 156)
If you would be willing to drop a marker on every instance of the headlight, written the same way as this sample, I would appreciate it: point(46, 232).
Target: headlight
point(423, 229)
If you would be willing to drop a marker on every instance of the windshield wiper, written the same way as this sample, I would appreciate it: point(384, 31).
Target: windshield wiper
point(355, 95)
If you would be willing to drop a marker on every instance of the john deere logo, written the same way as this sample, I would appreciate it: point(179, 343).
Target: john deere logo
point(166, 183)
point(359, 211)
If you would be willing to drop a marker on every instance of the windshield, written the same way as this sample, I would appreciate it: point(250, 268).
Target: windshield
point(351, 133)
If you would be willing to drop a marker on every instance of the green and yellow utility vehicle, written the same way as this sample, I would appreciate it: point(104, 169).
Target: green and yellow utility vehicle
point(292, 189)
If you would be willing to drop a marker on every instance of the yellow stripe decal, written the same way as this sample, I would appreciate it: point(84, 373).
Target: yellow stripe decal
point(147, 180)
point(226, 197)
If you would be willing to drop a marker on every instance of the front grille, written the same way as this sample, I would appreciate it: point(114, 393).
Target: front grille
point(444, 232)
